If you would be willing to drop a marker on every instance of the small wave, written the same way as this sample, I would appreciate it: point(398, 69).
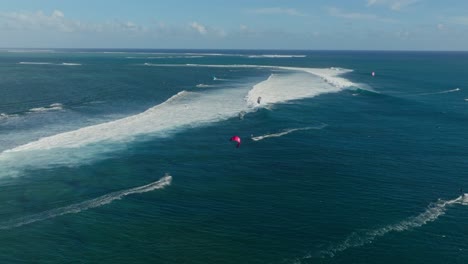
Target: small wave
point(93, 203)
point(432, 213)
point(6, 116)
point(201, 85)
point(71, 64)
point(219, 79)
point(52, 107)
point(285, 132)
point(176, 57)
point(30, 51)
point(49, 63)
point(34, 63)
point(276, 56)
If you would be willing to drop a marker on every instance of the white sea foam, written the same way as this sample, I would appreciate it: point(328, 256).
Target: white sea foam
point(87, 144)
point(432, 213)
point(6, 116)
point(285, 132)
point(52, 107)
point(280, 88)
point(89, 204)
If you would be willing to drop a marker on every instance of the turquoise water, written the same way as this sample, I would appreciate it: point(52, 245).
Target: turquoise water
point(123, 156)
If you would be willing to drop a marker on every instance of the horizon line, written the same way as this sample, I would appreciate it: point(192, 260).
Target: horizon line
point(232, 49)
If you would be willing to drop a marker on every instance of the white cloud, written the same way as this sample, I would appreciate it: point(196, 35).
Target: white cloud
point(57, 22)
point(36, 21)
point(57, 14)
point(276, 11)
point(395, 5)
point(333, 11)
point(206, 30)
point(199, 28)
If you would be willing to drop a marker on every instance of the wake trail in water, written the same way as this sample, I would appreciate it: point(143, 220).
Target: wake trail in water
point(432, 213)
point(442, 92)
point(79, 207)
point(285, 132)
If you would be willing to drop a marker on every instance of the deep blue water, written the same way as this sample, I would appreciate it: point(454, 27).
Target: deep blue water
point(123, 156)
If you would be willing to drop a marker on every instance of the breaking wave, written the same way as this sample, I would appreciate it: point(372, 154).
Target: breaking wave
point(183, 110)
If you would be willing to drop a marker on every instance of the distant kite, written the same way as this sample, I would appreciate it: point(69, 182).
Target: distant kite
point(236, 139)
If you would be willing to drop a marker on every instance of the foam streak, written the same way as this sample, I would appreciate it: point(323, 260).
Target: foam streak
point(93, 203)
point(285, 132)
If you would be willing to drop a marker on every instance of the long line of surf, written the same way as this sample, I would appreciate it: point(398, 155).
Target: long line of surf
point(171, 114)
point(432, 213)
point(89, 204)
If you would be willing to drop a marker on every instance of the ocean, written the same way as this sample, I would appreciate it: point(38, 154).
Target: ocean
point(124, 156)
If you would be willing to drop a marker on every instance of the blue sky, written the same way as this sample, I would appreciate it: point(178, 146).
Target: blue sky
point(237, 24)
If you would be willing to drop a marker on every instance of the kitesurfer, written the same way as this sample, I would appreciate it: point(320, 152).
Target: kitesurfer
point(241, 115)
point(259, 99)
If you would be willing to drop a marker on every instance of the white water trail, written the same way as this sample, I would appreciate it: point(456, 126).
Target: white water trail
point(89, 204)
point(432, 213)
point(285, 132)
point(443, 92)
